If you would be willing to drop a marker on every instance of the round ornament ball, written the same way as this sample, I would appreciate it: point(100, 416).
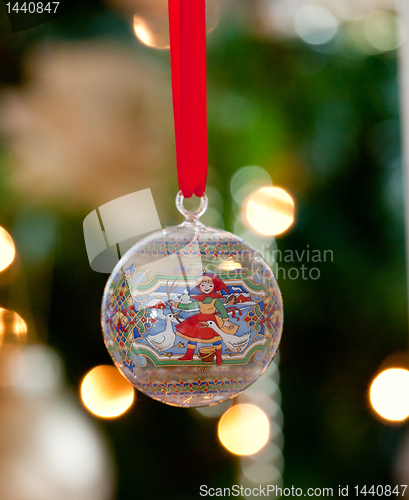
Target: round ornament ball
point(192, 315)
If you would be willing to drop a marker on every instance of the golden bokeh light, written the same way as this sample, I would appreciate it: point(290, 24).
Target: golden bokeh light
point(155, 35)
point(230, 265)
point(269, 210)
point(244, 429)
point(7, 249)
point(389, 394)
point(106, 393)
point(151, 26)
point(12, 327)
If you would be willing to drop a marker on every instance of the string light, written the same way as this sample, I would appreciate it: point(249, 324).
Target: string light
point(7, 249)
point(244, 429)
point(389, 394)
point(269, 210)
point(266, 466)
point(150, 34)
point(152, 29)
point(12, 326)
point(106, 393)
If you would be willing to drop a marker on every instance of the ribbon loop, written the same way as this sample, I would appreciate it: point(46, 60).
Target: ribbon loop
point(187, 26)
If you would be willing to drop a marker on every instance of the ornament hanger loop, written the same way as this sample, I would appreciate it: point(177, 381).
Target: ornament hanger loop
point(191, 216)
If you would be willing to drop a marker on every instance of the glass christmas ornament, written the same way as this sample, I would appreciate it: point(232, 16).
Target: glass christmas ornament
point(192, 315)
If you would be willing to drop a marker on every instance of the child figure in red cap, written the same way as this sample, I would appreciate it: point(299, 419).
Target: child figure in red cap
point(193, 328)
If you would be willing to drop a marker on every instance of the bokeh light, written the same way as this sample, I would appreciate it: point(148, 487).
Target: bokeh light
point(269, 210)
point(105, 392)
point(12, 365)
point(152, 34)
point(7, 249)
point(151, 26)
point(264, 244)
point(389, 394)
point(12, 327)
point(213, 215)
point(70, 449)
point(230, 265)
point(264, 473)
point(214, 411)
point(246, 180)
point(354, 34)
point(42, 374)
point(34, 370)
point(315, 25)
point(51, 447)
point(384, 31)
point(244, 429)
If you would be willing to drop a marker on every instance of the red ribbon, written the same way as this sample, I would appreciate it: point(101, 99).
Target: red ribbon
point(187, 26)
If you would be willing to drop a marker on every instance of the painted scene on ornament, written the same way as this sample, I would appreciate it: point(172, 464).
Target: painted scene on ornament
point(175, 320)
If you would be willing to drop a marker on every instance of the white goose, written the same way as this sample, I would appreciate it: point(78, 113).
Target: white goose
point(232, 342)
point(164, 340)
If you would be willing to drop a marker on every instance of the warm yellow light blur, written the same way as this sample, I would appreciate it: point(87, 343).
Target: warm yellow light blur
point(152, 28)
point(156, 38)
point(12, 325)
point(389, 394)
point(244, 429)
point(7, 249)
point(269, 210)
point(230, 265)
point(105, 392)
